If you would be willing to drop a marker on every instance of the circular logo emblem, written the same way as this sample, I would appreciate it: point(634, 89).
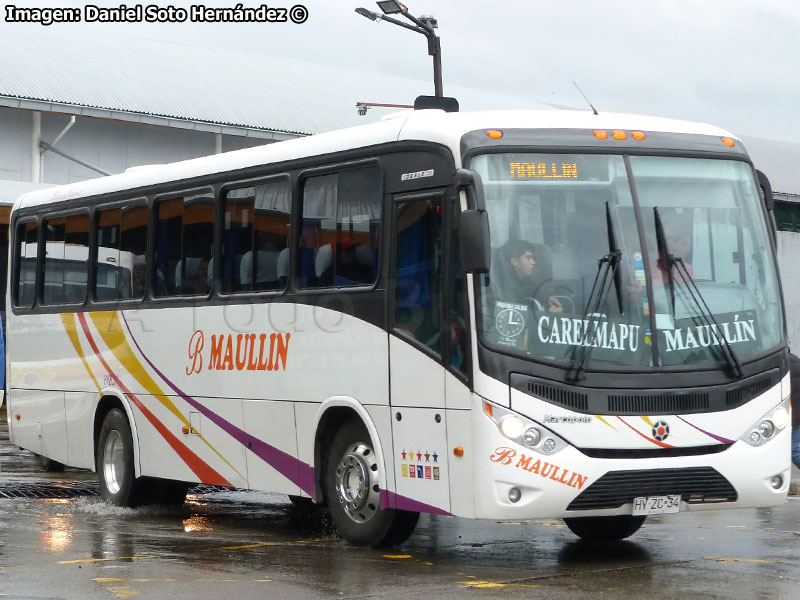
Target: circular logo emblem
point(661, 431)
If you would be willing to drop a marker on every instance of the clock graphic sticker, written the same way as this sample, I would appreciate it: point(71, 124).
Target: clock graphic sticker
point(509, 322)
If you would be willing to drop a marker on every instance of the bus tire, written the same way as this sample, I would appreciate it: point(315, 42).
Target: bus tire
point(604, 529)
point(114, 460)
point(352, 489)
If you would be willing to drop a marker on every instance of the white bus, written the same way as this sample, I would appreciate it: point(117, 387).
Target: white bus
point(510, 315)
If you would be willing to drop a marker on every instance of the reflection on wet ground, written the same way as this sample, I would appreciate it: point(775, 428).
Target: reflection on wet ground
point(235, 543)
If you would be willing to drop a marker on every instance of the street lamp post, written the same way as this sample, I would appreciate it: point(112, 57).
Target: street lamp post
point(425, 25)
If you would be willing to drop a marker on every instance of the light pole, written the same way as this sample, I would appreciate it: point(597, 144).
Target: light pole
point(424, 25)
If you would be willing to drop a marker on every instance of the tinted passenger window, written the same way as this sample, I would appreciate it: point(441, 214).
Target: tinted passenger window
point(341, 225)
point(120, 267)
point(27, 245)
point(184, 262)
point(66, 259)
point(418, 294)
point(255, 252)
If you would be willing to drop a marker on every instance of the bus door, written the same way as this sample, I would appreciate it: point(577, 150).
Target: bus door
point(421, 345)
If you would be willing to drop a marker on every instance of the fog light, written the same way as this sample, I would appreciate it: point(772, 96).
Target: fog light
point(512, 427)
point(549, 445)
point(532, 436)
point(514, 494)
point(755, 438)
point(777, 482)
point(766, 429)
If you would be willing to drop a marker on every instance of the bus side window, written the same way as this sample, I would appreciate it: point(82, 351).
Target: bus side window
point(184, 243)
point(418, 297)
point(341, 223)
point(255, 235)
point(27, 246)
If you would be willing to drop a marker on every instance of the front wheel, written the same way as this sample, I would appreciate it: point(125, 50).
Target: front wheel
point(353, 485)
point(114, 460)
point(604, 529)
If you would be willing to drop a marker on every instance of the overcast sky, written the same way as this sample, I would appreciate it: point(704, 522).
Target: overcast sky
point(733, 63)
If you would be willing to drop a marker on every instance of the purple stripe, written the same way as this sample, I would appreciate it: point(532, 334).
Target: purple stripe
point(393, 500)
point(287, 465)
point(708, 433)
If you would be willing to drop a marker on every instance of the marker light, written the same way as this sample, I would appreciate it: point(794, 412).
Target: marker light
point(514, 494)
point(512, 426)
point(637, 135)
point(532, 436)
point(767, 429)
point(600, 134)
point(495, 134)
point(458, 451)
point(487, 409)
point(728, 142)
point(618, 134)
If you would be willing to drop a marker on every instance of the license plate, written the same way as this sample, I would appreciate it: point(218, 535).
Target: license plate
point(656, 505)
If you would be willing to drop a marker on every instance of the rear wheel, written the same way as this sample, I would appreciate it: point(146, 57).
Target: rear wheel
point(604, 529)
point(353, 484)
point(114, 460)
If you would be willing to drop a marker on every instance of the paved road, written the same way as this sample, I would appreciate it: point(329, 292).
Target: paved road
point(241, 544)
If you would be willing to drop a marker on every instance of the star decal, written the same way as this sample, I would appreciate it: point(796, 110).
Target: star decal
point(419, 456)
point(404, 454)
point(427, 456)
point(435, 457)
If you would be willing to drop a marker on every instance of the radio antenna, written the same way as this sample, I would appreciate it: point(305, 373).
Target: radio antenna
point(594, 110)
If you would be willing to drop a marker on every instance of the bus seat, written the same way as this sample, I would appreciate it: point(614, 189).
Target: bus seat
point(323, 265)
point(266, 268)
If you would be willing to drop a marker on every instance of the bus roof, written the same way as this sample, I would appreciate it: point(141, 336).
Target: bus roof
point(11, 190)
point(428, 125)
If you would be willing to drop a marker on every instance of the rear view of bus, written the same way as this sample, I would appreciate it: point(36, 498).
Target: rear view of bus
point(639, 368)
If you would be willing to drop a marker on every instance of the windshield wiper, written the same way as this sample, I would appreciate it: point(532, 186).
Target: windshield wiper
point(607, 264)
point(676, 262)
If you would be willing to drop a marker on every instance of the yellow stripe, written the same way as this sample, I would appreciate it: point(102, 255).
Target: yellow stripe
point(72, 332)
point(647, 420)
point(108, 325)
point(602, 420)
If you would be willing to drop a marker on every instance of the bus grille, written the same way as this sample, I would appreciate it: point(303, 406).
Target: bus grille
point(695, 485)
point(676, 401)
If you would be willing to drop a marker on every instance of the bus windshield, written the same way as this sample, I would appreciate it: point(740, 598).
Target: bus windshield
point(627, 261)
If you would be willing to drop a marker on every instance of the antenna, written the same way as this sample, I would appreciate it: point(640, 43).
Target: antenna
point(594, 110)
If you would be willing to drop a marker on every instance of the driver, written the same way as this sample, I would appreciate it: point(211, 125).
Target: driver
point(521, 282)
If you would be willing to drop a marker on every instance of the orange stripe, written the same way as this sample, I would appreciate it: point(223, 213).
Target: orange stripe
point(656, 442)
point(194, 462)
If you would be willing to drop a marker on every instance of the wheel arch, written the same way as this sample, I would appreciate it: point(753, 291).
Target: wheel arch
point(107, 400)
point(332, 414)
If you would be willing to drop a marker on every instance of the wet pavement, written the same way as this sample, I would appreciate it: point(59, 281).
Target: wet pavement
point(241, 544)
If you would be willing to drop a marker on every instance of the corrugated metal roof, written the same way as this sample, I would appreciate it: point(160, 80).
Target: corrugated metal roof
point(204, 84)
point(780, 161)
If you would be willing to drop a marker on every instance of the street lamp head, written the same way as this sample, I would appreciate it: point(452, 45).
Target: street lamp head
point(430, 21)
point(392, 7)
point(369, 14)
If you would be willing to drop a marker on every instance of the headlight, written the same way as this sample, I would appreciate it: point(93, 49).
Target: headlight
point(523, 431)
point(768, 426)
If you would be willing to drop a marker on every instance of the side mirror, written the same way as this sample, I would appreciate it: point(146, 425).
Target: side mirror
point(470, 181)
point(474, 241)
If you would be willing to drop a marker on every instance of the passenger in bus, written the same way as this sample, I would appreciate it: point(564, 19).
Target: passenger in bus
point(198, 284)
point(521, 280)
point(139, 277)
point(680, 246)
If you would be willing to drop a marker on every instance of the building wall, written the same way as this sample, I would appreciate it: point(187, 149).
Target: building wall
point(110, 145)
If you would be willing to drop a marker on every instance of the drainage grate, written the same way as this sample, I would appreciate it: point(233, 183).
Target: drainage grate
point(73, 489)
point(62, 489)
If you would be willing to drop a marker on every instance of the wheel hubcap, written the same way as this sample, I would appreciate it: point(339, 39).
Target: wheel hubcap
point(357, 486)
point(113, 462)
